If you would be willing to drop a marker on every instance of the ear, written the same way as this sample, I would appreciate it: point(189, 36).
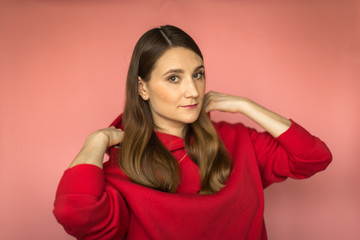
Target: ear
point(142, 89)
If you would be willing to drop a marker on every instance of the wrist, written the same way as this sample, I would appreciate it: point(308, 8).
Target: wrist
point(244, 104)
point(92, 151)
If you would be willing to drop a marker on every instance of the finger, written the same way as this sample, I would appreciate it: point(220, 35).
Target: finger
point(114, 128)
point(115, 136)
point(209, 106)
point(210, 102)
point(207, 109)
point(206, 106)
point(207, 99)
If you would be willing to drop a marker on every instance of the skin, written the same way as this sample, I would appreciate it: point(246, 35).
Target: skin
point(175, 91)
point(176, 98)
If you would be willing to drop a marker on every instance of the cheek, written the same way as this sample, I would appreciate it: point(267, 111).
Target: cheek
point(162, 96)
point(201, 88)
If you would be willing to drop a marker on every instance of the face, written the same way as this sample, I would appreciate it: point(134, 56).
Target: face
point(175, 90)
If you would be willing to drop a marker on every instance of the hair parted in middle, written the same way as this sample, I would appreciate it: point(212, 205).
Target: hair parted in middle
point(143, 157)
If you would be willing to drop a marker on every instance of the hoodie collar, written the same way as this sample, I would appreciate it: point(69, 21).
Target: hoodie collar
point(171, 142)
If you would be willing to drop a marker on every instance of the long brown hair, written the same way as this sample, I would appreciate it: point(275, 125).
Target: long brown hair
point(143, 158)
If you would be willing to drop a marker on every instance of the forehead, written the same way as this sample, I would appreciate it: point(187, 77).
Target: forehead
point(178, 58)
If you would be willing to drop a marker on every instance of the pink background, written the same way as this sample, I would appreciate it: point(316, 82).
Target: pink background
point(63, 66)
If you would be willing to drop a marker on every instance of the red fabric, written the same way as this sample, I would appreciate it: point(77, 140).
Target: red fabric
point(92, 203)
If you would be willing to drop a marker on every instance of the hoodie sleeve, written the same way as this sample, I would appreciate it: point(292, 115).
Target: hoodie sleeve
point(87, 207)
point(296, 154)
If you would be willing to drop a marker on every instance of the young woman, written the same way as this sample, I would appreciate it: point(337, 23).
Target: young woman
point(172, 173)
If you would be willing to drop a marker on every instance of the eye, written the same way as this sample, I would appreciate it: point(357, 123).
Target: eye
point(173, 79)
point(198, 75)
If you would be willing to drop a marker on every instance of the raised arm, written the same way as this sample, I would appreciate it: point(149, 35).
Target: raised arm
point(95, 146)
point(272, 122)
point(286, 150)
point(85, 205)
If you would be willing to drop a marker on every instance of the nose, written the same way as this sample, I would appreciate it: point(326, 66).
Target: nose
point(191, 89)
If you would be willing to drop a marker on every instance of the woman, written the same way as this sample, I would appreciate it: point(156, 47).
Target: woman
point(172, 173)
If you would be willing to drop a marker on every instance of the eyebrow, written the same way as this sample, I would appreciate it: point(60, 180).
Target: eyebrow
point(182, 71)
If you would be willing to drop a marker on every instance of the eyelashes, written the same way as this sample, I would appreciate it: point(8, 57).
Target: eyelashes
point(175, 78)
point(199, 74)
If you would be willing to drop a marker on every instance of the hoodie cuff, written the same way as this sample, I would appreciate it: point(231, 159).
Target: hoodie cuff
point(86, 179)
point(297, 140)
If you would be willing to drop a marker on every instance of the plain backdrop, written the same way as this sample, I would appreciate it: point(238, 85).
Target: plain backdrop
point(63, 66)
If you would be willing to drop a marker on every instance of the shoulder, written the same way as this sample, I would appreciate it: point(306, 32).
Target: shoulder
point(231, 130)
point(226, 126)
point(233, 134)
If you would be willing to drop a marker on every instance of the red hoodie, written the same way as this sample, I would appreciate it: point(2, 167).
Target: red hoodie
point(92, 203)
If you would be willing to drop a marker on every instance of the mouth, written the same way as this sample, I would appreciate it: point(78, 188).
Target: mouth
point(190, 106)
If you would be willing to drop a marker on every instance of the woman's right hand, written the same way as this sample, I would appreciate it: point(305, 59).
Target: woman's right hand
point(106, 137)
point(96, 145)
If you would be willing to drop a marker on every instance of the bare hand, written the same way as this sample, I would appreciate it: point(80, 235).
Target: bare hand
point(222, 102)
point(272, 122)
point(107, 137)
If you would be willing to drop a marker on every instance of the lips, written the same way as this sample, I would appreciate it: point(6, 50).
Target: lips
point(190, 106)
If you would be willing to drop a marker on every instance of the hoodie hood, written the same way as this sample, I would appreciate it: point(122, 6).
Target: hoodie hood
point(117, 122)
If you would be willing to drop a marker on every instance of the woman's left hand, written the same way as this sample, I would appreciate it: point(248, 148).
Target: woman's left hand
point(270, 121)
point(222, 102)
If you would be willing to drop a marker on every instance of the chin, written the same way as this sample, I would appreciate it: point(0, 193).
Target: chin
point(191, 119)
